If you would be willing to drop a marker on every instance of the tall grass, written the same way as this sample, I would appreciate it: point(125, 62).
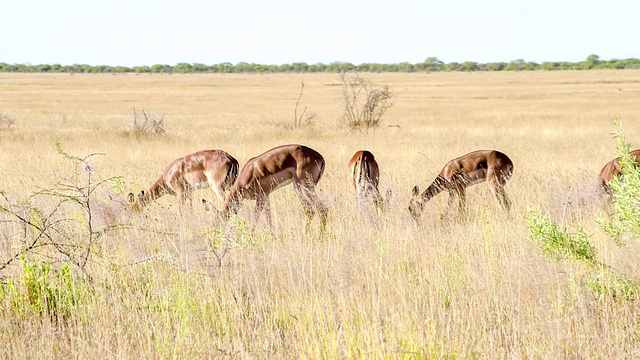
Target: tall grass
point(176, 283)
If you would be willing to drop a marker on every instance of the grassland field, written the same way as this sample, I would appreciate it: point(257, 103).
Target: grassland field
point(161, 287)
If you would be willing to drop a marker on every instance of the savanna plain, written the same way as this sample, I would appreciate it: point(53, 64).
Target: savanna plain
point(177, 282)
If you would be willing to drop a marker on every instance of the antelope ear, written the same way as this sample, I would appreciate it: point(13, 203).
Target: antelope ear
point(415, 191)
point(131, 198)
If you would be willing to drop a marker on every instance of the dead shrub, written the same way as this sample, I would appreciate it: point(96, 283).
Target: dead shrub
point(5, 119)
point(146, 122)
point(364, 104)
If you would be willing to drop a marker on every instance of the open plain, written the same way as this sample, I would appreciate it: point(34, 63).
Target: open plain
point(176, 282)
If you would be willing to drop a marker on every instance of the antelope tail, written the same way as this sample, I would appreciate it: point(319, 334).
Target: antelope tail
point(321, 172)
point(232, 171)
point(365, 170)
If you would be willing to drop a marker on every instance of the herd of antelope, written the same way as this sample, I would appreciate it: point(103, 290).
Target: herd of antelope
point(303, 166)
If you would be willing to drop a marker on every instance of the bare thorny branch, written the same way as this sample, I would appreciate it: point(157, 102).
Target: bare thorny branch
point(65, 224)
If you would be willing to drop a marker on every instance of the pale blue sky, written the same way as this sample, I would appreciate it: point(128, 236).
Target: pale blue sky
point(145, 32)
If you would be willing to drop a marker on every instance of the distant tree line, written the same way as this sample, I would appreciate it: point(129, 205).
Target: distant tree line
point(431, 64)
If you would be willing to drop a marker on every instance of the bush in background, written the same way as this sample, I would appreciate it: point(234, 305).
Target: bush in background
point(364, 104)
point(5, 119)
point(146, 122)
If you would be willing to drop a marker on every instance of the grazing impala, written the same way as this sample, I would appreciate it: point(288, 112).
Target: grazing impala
point(365, 177)
point(612, 169)
point(458, 174)
point(274, 169)
point(207, 168)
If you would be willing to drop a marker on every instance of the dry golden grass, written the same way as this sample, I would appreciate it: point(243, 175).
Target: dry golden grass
point(476, 288)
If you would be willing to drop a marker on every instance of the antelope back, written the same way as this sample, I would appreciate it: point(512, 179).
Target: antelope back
point(364, 170)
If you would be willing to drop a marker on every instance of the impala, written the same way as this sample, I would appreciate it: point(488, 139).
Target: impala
point(473, 168)
point(612, 169)
point(365, 177)
point(215, 169)
point(274, 169)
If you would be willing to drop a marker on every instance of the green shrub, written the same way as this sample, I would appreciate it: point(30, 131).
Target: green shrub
point(557, 242)
point(624, 221)
point(562, 244)
point(236, 235)
point(43, 292)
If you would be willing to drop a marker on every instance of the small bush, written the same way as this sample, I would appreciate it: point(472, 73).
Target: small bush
point(146, 123)
point(237, 234)
point(5, 119)
point(43, 292)
point(364, 104)
point(305, 118)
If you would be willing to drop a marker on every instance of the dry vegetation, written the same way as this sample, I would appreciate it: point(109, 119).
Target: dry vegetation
point(175, 283)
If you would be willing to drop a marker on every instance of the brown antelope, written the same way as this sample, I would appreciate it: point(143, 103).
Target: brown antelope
point(207, 168)
point(611, 170)
point(458, 174)
point(365, 177)
point(274, 169)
